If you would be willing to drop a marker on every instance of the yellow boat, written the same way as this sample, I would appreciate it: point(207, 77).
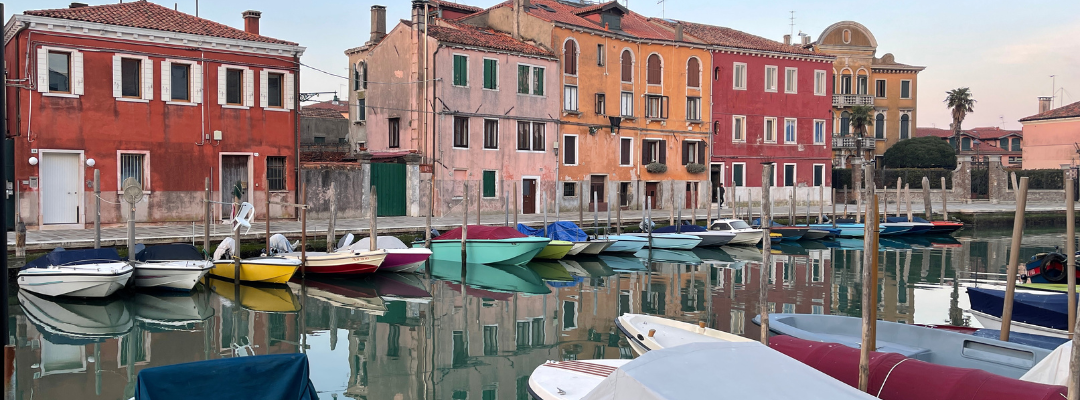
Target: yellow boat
point(555, 249)
point(257, 298)
point(258, 269)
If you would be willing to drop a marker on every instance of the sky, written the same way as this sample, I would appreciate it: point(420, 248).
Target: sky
point(1005, 51)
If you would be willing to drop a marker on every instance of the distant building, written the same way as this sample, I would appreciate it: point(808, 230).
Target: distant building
point(325, 123)
point(861, 78)
point(1052, 136)
point(980, 143)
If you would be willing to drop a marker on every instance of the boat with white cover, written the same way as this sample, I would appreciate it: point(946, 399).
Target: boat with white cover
point(176, 266)
point(76, 273)
point(744, 233)
point(646, 332)
point(708, 238)
point(399, 257)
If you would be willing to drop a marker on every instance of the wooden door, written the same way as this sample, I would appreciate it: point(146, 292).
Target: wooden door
point(60, 188)
point(234, 173)
point(691, 195)
point(597, 183)
point(389, 180)
point(651, 192)
point(528, 196)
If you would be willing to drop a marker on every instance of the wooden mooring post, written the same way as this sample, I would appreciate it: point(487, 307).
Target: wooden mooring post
point(206, 223)
point(97, 212)
point(928, 212)
point(1014, 259)
point(944, 201)
point(1070, 248)
point(330, 228)
point(766, 252)
point(373, 222)
point(303, 230)
point(871, 231)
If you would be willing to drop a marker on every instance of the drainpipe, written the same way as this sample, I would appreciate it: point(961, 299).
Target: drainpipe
point(296, 133)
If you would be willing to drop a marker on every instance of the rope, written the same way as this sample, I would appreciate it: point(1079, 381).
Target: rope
point(887, 377)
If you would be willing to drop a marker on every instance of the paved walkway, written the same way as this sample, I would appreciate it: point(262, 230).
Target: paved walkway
point(76, 238)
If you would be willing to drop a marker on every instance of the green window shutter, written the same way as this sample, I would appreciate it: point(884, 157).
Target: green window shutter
point(489, 183)
point(490, 74)
point(461, 71)
point(538, 81)
point(523, 79)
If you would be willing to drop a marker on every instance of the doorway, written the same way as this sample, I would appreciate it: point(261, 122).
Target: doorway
point(61, 193)
point(651, 192)
point(234, 178)
point(596, 186)
point(716, 176)
point(528, 196)
point(624, 194)
point(691, 195)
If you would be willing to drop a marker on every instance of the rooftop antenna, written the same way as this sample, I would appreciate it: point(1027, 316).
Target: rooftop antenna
point(1002, 117)
point(792, 33)
point(663, 8)
point(1053, 90)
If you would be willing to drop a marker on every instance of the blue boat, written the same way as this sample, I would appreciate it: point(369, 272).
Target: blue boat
point(626, 244)
point(847, 230)
point(916, 227)
point(1047, 268)
point(277, 376)
point(1036, 312)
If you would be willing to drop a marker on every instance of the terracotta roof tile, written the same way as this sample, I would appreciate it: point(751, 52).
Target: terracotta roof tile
point(308, 111)
point(453, 32)
point(336, 105)
point(462, 7)
point(1069, 111)
point(147, 15)
point(727, 37)
point(983, 133)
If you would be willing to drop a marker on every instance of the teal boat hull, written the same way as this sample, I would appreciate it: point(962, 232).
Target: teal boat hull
point(514, 251)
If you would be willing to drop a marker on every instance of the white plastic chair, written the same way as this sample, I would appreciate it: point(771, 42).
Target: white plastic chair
point(243, 217)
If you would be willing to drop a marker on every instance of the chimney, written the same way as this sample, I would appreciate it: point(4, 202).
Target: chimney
point(418, 17)
point(251, 21)
point(519, 7)
point(678, 32)
point(805, 40)
point(787, 39)
point(1044, 103)
point(77, 5)
point(378, 23)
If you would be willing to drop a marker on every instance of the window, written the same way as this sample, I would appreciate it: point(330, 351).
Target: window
point(1016, 144)
point(770, 78)
point(654, 151)
point(654, 70)
point(879, 126)
point(738, 174)
point(625, 150)
point(570, 99)
point(489, 184)
point(538, 136)
point(356, 79)
point(693, 109)
point(460, 351)
point(342, 140)
point(130, 77)
point(1003, 143)
point(538, 81)
point(570, 150)
point(569, 315)
point(845, 84)
point(791, 80)
point(570, 57)
point(530, 136)
point(491, 74)
point(738, 128)
point(819, 175)
point(739, 76)
point(275, 172)
point(523, 79)
point(965, 144)
point(461, 70)
point(693, 72)
point(656, 106)
point(789, 130)
point(905, 89)
point(819, 131)
point(880, 88)
point(461, 132)
point(59, 74)
point(491, 134)
point(569, 189)
point(530, 79)
point(600, 55)
point(845, 123)
point(319, 139)
point(491, 336)
point(361, 109)
point(394, 133)
point(627, 66)
point(819, 83)
point(274, 92)
point(234, 86)
point(862, 89)
point(601, 104)
point(132, 165)
point(770, 129)
point(693, 152)
point(905, 126)
point(789, 175)
point(626, 100)
point(180, 82)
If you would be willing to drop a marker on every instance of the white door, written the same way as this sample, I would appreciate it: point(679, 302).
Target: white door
point(60, 188)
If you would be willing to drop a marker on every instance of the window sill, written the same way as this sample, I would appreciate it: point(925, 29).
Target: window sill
point(361, 122)
point(628, 118)
point(235, 107)
point(787, 92)
point(738, 88)
point(491, 149)
point(67, 95)
point(182, 103)
point(132, 100)
point(532, 151)
point(460, 148)
point(490, 90)
point(767, 90)
point(272, 191)
point(654, 119)
point(694, 121)
point(572, 112)
point(531, 95)
point(278, 109)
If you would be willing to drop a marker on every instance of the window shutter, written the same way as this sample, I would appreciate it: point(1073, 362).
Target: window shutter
point(645, 152)
point(263, 98)
point(148, 79)
point(627, 66)
point(571, 150)
point(221, 91)
point(663, 152)
point(77, 72)
point(290, 91)
point(196, 83)
point(664, 107)
point(693, 73)
point(685, 152)
point(653, 70)
point(117, 77)
point(538, 81)
point(624, 154)
point(701, 154)
point(166, 81)
point(43, 70)
point(249, 88)
point(523, 79)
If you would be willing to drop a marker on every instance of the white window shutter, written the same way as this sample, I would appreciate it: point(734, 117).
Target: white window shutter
point(43, 70)
point(196, 83)
point(147, 79)
point(117, 78)
point(221, 84)
point(289, 98)
point(249, 88)
point(77, 72)
point(263, 75)
point(166, 81)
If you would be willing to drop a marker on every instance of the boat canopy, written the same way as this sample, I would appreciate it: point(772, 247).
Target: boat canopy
point(558, 230)
point(59, 256)
point(680, 228)
point(278, 376)
point(387, 242)
point(169, 252)
point(482, 232)
point(1049, 310)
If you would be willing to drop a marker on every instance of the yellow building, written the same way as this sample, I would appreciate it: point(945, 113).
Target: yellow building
point(862, 78)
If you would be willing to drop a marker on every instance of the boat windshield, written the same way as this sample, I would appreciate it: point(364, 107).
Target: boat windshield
point(739, 225)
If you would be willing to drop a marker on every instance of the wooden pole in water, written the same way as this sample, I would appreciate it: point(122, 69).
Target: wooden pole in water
point(464, 233)
point(506, 209)
point(618, 216)
point(430, 210)
point(1014, 259)
point(791, 207)
point(646, 220)
point(708, 206)
point(267, 183)
point(595, 215)
point(607, 229)
point(766, 253)
point(97, 208)
point(1070, 250)
point(373, 221)
point(303, 227)
point(543, 197)
point(899, 184)
point(581, 203)
point(833, 218)
point(928, 211)
point(869, 291)
point(944, 201)
point(516, 204)
point(237, 265)
point(907, 199)
point(479, 196)
point(821, 205)
point(206, 225)
point(846, 193)
point(330, 228)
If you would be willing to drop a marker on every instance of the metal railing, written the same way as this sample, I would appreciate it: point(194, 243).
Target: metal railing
point(848, 142)
point(846, 100)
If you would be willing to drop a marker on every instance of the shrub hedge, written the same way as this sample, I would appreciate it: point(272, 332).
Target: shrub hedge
point(1040, 178)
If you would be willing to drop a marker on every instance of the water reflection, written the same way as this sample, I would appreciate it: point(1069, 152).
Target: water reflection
point(406, 336)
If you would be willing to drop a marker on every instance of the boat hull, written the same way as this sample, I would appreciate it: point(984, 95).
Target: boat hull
point(404, 260)
point(596, 246)
point(671, 241)
point(364, 262)
point(789, 232)
point(991, 322)
point(555, 250)
point(514, 251)
point(176, 275)
point(815, 234)
point(846, 230)
point(626, 244)
point(712, 238)
point(76, 282)
point(945, 227)
point(259, 269)
point(577, 248)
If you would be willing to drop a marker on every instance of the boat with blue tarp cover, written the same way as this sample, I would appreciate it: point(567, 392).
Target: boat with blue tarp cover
point(276, 376)
point(567, 231)
point(1036, 312)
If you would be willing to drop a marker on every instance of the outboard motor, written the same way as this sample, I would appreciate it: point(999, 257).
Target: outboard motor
point(279, 244)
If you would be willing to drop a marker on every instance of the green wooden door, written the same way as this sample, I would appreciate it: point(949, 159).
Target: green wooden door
point(390, 181)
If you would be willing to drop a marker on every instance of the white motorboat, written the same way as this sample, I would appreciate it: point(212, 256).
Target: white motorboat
point(170, 266)
point(646, 332)
point(594, 247)
point(578, 248)
point(991, 322)
point(744, 233)
point(669, 241)
point(76, 273)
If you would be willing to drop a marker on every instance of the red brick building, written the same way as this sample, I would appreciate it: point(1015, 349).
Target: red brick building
point(139, 90)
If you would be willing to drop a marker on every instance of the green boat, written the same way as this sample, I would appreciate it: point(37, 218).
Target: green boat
point(487, 245)
point(496, 278)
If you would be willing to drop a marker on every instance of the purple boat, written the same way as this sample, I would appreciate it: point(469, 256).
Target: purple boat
point(399, 257)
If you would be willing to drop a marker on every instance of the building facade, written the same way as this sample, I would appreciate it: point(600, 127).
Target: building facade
point(859, 77)
point(1051, 136)
point(137, 90)
point(982, 143)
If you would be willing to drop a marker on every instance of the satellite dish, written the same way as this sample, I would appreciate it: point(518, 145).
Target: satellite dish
point(133, 192)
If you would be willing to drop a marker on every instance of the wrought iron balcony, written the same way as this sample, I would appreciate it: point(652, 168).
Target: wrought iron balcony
point(847, 100)
point(848, 142)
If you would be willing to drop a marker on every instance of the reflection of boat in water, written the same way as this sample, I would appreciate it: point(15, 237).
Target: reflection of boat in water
point(173, 310)
point(501, 278)
point(845, 244)
point(791, 248)
point(346, 293)
point(668, 256)
point(743, 253)
point(399, 286)
point(595, 267)
point(76, 321)
point(713, 255)
point(550, 271)
point(623, 264)
point(276, 298)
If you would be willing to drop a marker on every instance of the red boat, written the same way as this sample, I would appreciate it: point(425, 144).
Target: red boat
point(943, 227)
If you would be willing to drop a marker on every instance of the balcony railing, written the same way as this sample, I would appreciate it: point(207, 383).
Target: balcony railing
point(847, 100)
point(848, 142)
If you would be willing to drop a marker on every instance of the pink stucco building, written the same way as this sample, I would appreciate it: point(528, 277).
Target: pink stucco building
point(1051, 136)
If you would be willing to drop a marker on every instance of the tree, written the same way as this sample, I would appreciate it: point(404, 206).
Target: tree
point(959, 101)
point(922, 152)
point(862, 117)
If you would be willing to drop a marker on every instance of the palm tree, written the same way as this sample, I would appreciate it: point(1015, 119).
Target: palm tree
point(862, 117)
point(960, 102)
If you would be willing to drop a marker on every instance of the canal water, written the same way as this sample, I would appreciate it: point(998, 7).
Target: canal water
point(400, 337)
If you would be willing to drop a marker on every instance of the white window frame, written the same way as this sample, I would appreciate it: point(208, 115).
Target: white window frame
point(467, 80)
point(791, 80)
point(771, 71)
point(623, 97)
point(738, 81)
point(570, 98)
point(75, 72)
point(692, 157)
point(195, 82)
point(247, 87)
point(794, 175)
point(743, 169)
point(765, 130)
point(881, 95)
point(146, 78)
point(532, 79)
point(498, 133)
point(738, 136)
point(902, 89)
point(819, 82)
point(577, 56)
point(577, 148)
point(652, 157)
point(287, 80)
point(145, 170)
point(498, 69)
point(814, 169)
point(694, 109)
point(618, 152)
point(821, 123)
point(795, 130)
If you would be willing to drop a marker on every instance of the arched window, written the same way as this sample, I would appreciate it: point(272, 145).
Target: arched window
point(905, 126)
point(654, 70)
point(693, 72)
point(716, 74)
point(715, 127)
point(627, 66)
point(570, 57)
point(845, 84)
point(879, 126)
point(845, 123)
